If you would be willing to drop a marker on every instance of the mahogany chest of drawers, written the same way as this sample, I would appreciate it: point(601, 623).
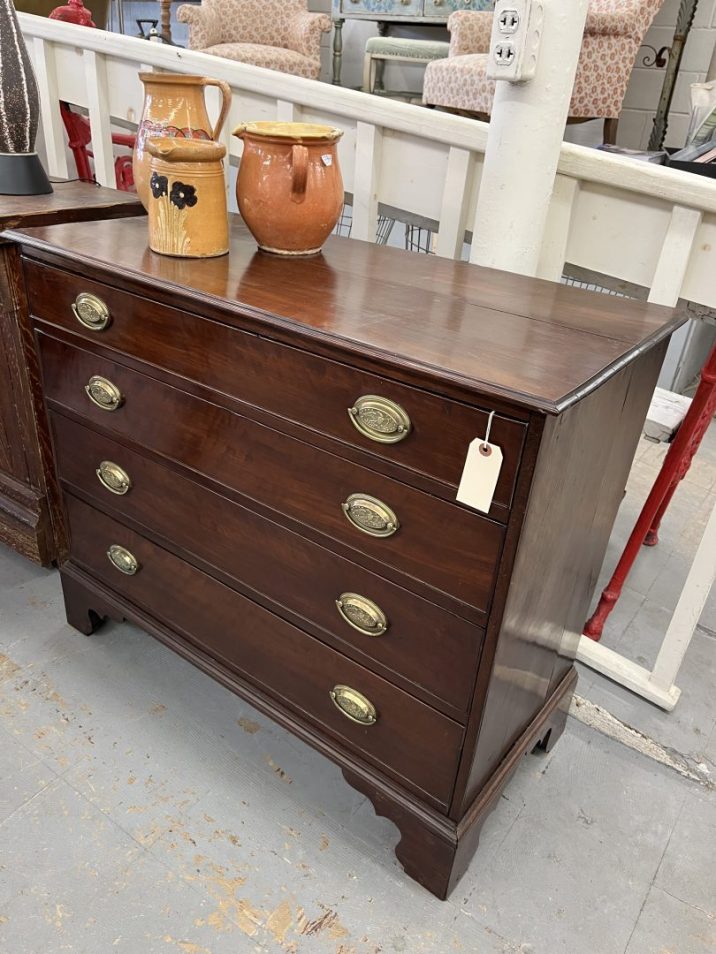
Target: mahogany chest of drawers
point(259, 460)
point(30, 521)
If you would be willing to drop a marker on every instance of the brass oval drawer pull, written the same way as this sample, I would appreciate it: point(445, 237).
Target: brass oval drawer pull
point(380, 419)
point(362, 614)
point(370, 515)
point(91, 312)
point(103, 393)
point(354, 705)
point(122, 560)
point(114, 478)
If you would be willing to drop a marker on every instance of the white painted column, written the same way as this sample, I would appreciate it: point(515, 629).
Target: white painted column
point(526, 132)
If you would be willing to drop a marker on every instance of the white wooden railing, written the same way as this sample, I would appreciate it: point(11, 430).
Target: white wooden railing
point(639, 223)
point(648, 225)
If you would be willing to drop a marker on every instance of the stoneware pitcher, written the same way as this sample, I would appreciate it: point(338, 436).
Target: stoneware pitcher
point(188, 216)
point(174, 107)
point(289, 187)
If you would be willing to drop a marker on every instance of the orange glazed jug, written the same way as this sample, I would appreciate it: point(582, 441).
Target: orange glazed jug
point(289, 187)
point(173, 107)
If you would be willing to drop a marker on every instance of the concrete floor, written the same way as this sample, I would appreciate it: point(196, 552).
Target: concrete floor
point(144, 809)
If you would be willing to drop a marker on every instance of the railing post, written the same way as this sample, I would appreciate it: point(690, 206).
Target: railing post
point(365, 182)
point(669, 274)
point(52, 126)
point(99, 117)
point(553, 253)
point(453, 210)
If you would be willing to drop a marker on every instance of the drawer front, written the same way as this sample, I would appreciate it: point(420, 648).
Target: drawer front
point(409, 740)
point(426, 648)
point(444, 546)
point(443, 8)
point(391, 8)
point(302, 388)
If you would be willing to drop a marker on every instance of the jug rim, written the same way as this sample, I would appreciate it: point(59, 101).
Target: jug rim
point(173, 149)
point(188, 79)
point(301, 132)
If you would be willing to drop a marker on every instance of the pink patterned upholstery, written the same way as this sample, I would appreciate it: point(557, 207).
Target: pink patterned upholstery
point(275, 34)
point(469, 32)
point(612, 36)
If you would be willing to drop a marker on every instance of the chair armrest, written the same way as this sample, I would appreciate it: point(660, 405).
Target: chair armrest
point(620, 17)
point(470, 32)
point(204, 25)
point(303, 33)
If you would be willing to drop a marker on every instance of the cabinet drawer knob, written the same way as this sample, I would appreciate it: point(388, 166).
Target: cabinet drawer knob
point(91, 312)
point(122, 560)
point(354, 705)
point(380, 419)
point(114, 478)
point(103, 393)
point(370, 515)
point(362, 614)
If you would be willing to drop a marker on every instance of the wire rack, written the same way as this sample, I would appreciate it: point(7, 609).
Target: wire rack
point(345, 224)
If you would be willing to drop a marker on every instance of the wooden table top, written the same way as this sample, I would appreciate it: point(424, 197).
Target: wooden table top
point(537, 343)
point(71, 201)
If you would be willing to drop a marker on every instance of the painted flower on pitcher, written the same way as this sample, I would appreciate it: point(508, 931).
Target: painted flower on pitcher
point(183, 195)
point(158, 184)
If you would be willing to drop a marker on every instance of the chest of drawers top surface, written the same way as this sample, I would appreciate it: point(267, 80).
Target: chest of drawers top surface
point(539, 345)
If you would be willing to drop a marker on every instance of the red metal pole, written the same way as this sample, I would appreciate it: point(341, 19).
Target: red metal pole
point(676, 464)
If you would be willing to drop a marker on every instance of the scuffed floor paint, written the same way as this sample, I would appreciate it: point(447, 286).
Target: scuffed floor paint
point(598, 718)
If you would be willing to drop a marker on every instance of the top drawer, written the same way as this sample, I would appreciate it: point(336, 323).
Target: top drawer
point(390, 8)
point(311, 391)
point(443, 8)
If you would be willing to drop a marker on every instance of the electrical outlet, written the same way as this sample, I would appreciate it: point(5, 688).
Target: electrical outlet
point(504, 53)
point(508, 21)
point(514, 46)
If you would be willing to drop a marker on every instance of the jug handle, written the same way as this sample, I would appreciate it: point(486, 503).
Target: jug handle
point(225, 103)
point(299, 166)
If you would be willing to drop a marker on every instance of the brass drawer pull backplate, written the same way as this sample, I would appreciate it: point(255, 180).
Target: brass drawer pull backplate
point(354, 705)
point(380, 419)
point(362, 614)
point(370, 515)
point(122, 560)
point(103, 393)
point(114, 478)
point(91, 312)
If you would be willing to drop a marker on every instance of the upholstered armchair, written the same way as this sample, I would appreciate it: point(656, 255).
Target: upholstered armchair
point(613, 33)
point(276, 34)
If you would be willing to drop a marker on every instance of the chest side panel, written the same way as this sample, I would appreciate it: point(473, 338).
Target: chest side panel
point(579, 480)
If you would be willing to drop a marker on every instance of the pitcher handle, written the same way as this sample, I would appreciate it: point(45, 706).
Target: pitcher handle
point(299, 166)
point(225, 104)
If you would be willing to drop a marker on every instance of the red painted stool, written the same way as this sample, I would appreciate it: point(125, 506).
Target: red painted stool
point(673, 470)
point(79, 137)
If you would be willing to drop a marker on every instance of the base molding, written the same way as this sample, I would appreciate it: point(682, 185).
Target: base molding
point(25, 524)
point(434, 849)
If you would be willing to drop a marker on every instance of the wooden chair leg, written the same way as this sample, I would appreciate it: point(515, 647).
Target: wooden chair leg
point(610, 131)
point(367, 71)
